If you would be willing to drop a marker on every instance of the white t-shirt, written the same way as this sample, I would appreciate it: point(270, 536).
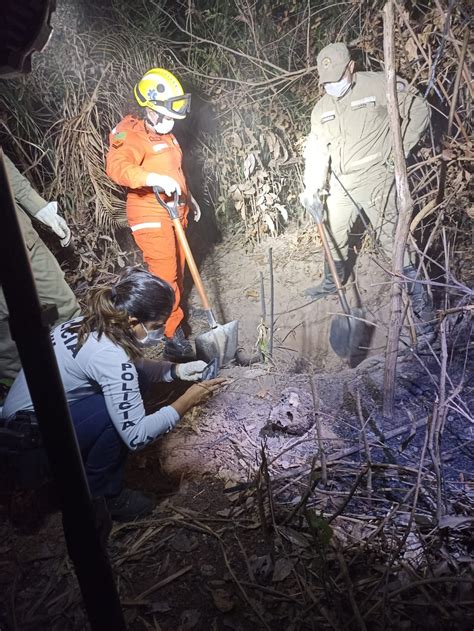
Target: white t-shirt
point(100, 366)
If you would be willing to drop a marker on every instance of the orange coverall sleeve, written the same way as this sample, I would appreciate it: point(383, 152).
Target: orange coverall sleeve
point(123, 161)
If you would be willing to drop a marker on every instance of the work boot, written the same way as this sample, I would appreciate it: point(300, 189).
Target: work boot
point(178, 348)
point(327, 286)
point(128, 505)
point(421, 304)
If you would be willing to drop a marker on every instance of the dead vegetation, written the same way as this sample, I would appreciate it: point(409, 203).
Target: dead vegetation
point(340, 542)
point(318, 532)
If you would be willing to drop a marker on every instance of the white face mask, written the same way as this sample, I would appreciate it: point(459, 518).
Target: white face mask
point(152, 338)
point(164, 127)
point(339, 88)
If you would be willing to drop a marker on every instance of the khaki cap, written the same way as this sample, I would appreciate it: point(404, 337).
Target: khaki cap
point(332, 61)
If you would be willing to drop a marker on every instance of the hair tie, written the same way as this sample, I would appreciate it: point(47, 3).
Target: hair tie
point(113, 293)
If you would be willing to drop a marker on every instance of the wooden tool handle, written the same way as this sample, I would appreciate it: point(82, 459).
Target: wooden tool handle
point(172, 211)
point(191, 264)
point(332, 266)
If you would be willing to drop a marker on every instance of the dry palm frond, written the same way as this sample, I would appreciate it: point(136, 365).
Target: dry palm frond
point(251, 68)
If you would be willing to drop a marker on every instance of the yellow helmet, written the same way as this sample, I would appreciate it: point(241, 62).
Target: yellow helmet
point(161, 91)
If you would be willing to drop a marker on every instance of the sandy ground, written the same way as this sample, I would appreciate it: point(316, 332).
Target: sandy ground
point(273, 401)
point(257, 408)
point(232, 277)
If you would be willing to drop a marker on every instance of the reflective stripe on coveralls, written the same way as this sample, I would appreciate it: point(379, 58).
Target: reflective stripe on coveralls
point(147, 224)
point(165, 258)
point(134, 153)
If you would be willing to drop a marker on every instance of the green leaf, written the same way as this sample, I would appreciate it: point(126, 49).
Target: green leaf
point(319, 527)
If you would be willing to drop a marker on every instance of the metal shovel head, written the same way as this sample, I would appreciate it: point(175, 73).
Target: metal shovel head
point(346, 333)
point(221, 342)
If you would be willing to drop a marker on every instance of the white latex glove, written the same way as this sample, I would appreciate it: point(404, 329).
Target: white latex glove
point(196, 209)
point(49, 216)
point(191, 371)
point(307, 197)
point(390, 163)
point(164, 182)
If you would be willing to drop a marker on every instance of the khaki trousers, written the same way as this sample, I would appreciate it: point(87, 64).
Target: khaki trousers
point(374, 191)
point(52, 289)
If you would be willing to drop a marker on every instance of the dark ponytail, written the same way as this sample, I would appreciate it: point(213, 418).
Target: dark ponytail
point(138, 294)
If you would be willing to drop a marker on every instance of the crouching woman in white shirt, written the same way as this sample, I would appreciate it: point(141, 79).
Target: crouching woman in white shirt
point(100, 358)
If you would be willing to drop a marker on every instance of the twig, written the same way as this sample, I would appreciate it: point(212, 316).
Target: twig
point(405, 210)
point(304, 498)
point(202, 40)
point(447, 23)
point(341, 508)
point(164, 581)
point(365, 443)
point(350, 589)
point(262, 329)
point(261, 501)
point(437, 423)
point(452, 111)
point(416, 492)
point(272, 302)
point(263, 307)
point(268, 483)
point(427, 59)
point(317, 419)
point(241, 588)
point(466, 72)
point(339, 455)
point(271, 592)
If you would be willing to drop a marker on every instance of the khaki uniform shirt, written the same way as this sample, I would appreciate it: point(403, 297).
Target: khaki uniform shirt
point(352, 134)
point(27, 200)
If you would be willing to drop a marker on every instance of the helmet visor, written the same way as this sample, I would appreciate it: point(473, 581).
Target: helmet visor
point(180, 105)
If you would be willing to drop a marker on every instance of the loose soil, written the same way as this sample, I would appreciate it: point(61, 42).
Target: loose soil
point(232, 277)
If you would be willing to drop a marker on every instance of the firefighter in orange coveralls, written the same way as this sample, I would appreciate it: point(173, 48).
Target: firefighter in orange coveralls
point(144, 153)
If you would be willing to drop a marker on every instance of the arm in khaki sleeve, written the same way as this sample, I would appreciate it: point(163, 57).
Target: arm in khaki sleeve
point(24, 193)
point(316, 157)
point(414, 112)
point(123, 162)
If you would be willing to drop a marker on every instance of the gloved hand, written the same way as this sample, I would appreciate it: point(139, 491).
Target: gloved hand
point(307, 198)
point(49, 216)
point(196, 209)
point(164, 182)
point(191, 371)
point(311, 200)
point(390, 163)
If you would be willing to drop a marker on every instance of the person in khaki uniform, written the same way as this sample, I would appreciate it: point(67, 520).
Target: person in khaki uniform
point(349, 154)
point(49, 278)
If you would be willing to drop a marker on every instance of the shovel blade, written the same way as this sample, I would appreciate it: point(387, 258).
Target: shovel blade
point(220, 343)
point(346, 333)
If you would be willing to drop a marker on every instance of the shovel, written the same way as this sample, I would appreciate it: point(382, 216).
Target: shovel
point(221, 342)
point(346, 331)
